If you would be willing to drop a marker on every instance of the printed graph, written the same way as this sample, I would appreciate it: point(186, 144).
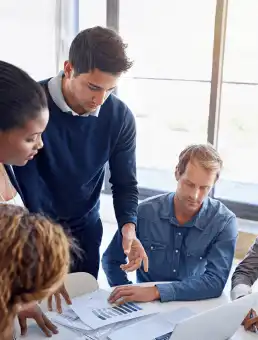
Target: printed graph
point(122, 310)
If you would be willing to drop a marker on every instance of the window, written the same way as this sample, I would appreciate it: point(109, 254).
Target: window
point(28, 36)
point(92, 13)
point(238, 142)
point(168, 88)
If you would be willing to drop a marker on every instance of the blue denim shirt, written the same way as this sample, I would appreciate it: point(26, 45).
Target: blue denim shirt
point(195, 258)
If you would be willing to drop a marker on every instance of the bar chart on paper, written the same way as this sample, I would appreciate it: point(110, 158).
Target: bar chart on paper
point(95, 310)
point(107, 313)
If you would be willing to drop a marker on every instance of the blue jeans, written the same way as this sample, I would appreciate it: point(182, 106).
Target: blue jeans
point(88, 239)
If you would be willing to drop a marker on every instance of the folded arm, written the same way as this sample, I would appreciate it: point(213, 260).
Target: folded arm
point(246, 273)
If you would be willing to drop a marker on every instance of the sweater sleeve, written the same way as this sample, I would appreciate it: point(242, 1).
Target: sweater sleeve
point(246, 273)
point(122, 165)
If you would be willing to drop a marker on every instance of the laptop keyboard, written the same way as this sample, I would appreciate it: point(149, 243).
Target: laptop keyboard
point(164, 337)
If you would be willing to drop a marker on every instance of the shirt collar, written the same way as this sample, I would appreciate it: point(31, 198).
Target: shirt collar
point(55, 90)
point(167, 212)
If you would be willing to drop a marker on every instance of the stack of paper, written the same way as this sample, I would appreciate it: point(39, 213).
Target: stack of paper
point(92, 316)
point(69, 319)
point(35, 333)
point(95, 310)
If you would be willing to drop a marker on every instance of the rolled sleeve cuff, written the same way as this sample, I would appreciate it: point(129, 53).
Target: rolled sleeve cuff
point(240, 290)
point(124, 220)
point(166, 292)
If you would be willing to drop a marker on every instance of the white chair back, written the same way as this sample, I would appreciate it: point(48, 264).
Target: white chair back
point(76, 284)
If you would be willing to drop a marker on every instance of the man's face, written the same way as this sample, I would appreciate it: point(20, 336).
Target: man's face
point(89, 90)
point(194, 186)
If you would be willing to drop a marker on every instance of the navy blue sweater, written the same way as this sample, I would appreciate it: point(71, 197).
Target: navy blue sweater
point(65, 179)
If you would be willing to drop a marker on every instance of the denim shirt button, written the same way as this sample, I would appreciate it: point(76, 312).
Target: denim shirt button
point(151, 247)
point(174, 270)
point(200, 257)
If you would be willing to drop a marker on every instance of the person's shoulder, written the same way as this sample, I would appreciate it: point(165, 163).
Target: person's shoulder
point(44, 82)
point(220, 208)
point(157, 199)
point(153, 204)
point(219, 213)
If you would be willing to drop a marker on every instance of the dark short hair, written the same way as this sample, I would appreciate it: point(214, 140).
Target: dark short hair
point(99, 48)
point(21, 98)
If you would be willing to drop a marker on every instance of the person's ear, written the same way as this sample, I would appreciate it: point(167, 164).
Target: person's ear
point(68, 69)
point(177, 175)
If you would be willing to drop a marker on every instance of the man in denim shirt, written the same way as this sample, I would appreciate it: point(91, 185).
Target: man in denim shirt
point(189, 237)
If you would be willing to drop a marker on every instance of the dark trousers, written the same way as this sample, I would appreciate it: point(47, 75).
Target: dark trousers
point(87, 259)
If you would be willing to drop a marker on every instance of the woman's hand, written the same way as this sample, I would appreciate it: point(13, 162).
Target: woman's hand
point(62, 292)
point(43, 322)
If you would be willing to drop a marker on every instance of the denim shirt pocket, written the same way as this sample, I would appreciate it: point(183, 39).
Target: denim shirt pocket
point(157, 255)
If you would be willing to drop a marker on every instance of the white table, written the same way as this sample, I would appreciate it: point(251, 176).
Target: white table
point(202, 305)
point(195, 306)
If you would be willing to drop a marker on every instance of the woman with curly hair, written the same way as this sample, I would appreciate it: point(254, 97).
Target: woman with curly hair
point(34, 259)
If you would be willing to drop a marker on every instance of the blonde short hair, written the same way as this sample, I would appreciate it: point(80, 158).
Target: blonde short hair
point(204, 154)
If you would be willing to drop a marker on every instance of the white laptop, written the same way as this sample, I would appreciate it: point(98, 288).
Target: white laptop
point(220, 323)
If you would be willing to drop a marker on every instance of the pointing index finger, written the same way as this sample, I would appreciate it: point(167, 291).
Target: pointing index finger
point(146, 263)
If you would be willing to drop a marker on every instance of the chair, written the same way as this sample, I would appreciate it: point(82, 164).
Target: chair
point(244, 242)
point(76, 284)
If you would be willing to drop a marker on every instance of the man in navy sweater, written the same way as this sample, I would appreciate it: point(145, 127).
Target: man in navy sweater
point(88, 127)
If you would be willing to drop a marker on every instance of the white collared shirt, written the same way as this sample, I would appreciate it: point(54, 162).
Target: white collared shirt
point(55, 90)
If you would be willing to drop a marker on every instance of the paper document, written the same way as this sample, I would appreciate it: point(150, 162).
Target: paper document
point(35, 333)
point(158, 327)
point(95, 311)
point(70, 320)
